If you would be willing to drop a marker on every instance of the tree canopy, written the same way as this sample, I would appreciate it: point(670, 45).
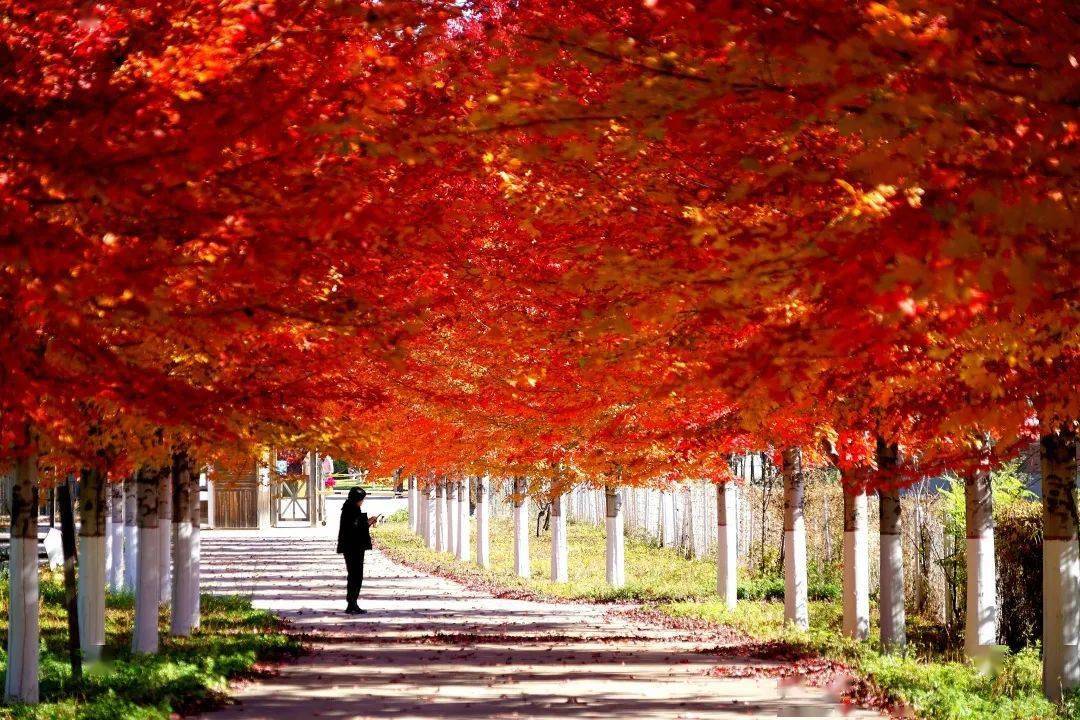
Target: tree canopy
point(600, 240)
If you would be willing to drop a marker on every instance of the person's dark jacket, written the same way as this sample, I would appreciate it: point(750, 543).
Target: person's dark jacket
point(354, 534)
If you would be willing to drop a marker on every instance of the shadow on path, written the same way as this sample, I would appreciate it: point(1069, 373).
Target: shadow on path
point(430, 648)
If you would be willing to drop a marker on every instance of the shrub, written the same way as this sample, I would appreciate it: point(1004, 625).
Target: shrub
point(824, 582)
point(1018, 539)
point(762, 587)
point(822, 585)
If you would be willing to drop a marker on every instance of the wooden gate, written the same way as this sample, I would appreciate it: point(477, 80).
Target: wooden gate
point(290, 498)
point(236, 498)
point(235, 507)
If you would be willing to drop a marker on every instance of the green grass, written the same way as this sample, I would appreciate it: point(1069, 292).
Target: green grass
point(932, 686)
point(653, 574)
point(188, 674)
point(342, 485)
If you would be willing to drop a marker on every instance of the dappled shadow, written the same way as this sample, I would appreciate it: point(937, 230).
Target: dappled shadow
point(430, 648)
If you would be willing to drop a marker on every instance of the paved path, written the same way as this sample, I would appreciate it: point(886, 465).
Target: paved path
point(430, 648)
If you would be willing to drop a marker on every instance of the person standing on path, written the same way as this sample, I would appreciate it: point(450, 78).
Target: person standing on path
point(354, 539)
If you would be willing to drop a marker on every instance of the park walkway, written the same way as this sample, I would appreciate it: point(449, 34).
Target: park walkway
point(430, 648)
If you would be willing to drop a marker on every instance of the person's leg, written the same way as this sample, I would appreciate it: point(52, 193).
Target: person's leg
point(355, 567)
point(359, 572)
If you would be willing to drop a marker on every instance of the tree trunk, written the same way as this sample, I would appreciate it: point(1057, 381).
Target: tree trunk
point(826, 530)
point(543, 517)
point(422, 506)
point(196, 547)
point(412, 505)
point(182, 474)
point(71, 590)
point(116, 536)
point(144, 639)
point(766, 491)
point(980, 634)
point(421, 511)
point(686, 542)
point(661, 525)
point(727, 528)
point(559, 548)
point(451, 516)
point(463, 540)
point(1061, 565)
point(131, 533)
point(108, 535)
point(165, 531)
point(23, 630)
point(313, 490)
point(483, 508)
point(440, 516)
point(430, 511)
point(264, 501)
point(795, 579)
point(92, 564)
point(616, 540)
point(211, 510)
point(856, 563)
point(521, 528)
point(891, 596)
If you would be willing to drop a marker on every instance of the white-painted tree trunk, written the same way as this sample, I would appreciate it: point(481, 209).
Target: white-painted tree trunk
point(313, 489)
point(263, 500)
point(182, 596)
point(615, 539)
point(796, 608)
point(412, 506)
point(421, 511)
point(430, 511)
point(165, 539)
point(92, 596)
point(727, 558)
point(667, 532)
point(108, 538)
point(23, 594)
point(440, 517)
point(422, 507)
point(980, 632)
point(211, 514)
point(196, 551)
point(483, 507)
point(131, 533)
point(464, 541)
point(1061, 565)
point(687, 535)
point(560, 571)
point(892, 622)
point(144, 638)
point(91, 578)
point(521, 529)
point(891, 597)
point(856, 578)
point(452, 515)
point(183, 478)
point(116, 536)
